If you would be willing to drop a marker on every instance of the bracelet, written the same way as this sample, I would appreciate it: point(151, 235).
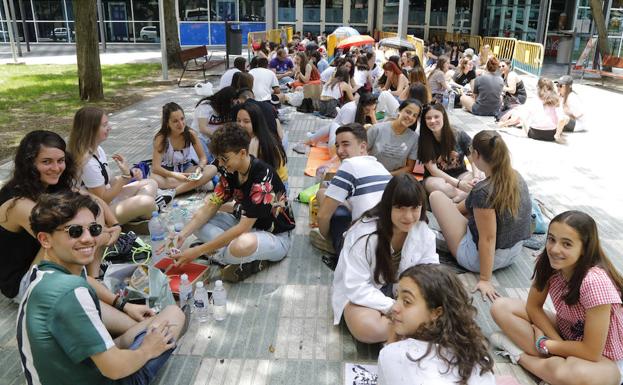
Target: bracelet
point(458, 183)
point(540, 345)
point(114, 301)
point(121, 304)
point(116, 224)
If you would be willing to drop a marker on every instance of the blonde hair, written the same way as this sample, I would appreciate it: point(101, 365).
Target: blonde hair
point(505, 195)
point(83, 135)
point(547, 92)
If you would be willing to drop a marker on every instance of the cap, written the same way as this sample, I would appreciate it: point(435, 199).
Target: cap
point(565, 80)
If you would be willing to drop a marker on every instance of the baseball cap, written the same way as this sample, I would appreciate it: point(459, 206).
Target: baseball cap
point(565, 80)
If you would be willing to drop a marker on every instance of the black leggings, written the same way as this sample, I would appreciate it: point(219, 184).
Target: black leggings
point(545, 135)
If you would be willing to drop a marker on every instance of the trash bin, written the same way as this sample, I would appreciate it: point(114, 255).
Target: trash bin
point(233, 39)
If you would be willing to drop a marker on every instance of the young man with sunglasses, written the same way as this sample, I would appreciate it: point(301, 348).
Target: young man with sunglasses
point(258, 228)
point(60, 332)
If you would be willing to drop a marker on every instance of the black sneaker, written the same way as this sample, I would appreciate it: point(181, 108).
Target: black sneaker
point(237, 273)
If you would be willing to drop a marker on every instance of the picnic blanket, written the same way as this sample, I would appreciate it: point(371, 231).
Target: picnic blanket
point(317, 157)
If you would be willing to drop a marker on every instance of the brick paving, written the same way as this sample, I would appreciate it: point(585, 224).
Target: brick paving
point(279, 329)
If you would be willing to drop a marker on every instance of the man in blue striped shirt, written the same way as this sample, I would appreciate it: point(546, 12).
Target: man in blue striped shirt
point(356, 187)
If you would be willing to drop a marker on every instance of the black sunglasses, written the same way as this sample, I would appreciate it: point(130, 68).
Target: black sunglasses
point(75, 231)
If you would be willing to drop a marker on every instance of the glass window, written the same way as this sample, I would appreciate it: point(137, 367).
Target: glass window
point(286, 10)
point(417, 11)
point(615, 24)
point(417, 32)
point(27, 11)
point(311, 10)
point(118, 31)
point(359, 11)
point(438, 12)
point(463, 16)
point(145, 10)
point(49, 10)
point(252, 10)
point(193, 10)
point(116, 10)
point(335, 11)
point(313, 28)
point(390, 12)
point(147, 32)
point(53, 31)
point(222, 10)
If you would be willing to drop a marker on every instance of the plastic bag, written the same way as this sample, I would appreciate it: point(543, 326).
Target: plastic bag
point(204, 89)
point(149, 282)
point(295, 98)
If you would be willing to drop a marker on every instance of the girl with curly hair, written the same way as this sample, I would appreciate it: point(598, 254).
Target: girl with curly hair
point(583, 342)
point(435, 338)
point(385, 241)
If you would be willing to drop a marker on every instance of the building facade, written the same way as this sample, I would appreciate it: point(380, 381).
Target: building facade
point(203, 21)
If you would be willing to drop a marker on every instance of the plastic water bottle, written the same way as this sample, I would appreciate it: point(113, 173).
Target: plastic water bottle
point(200, 302)
point(451, 98)
point(219, 296)
point(444, 100)
point(186, 290)
point(158, 237)
point(177, 217)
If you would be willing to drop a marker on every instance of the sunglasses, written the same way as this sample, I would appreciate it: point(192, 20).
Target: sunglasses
point(75, 231)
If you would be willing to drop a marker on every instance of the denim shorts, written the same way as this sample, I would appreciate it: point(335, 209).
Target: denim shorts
point(148, 372)
point(468, 257)
point(271, 247)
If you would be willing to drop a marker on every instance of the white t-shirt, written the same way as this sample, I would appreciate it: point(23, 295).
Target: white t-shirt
point(346, 114)
point(361, 77)
point(92, 175)
point(575, 106)
point(353, 280)
point(263, 82)
point(395, 368)
point(361, 180)
point(205, 111)
point(227, 77)
point(326, 75)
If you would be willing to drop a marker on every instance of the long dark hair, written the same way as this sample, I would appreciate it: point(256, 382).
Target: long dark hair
point(403, 190)
point(592, 255)
point(165, 130)
point(26, 180)
point(429, 149)
point(221, 101)
point(420, 92)
point(268, 142)
point(365, 99)
point(341, 75)
point(454, 335)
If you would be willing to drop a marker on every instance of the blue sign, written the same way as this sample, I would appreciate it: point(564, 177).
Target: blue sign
point(194, 34)
point(197, 33)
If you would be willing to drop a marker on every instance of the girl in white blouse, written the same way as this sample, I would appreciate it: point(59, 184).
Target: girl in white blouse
point(387, 240)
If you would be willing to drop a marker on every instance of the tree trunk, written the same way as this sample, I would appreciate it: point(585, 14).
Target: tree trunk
point(172, 38)
point(600, 23)
point(87, 51)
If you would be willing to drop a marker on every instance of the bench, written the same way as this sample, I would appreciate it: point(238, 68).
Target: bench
point(197, 59)
point(608, 61)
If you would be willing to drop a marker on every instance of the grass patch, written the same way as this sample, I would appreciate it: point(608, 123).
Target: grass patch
point(46, 96)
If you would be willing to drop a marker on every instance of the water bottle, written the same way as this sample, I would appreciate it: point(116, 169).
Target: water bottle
point(186, 290)
point(451, 98)
point(177, 217)
point(219, 296)
point(158, 237)
point(444, 100)
point(200, 302)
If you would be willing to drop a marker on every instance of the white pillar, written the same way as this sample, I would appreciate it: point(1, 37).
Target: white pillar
point(475, 16)
point(403, 18)
point(451, 14)
point(163, 42)
point(269, 6)
point(9, 26)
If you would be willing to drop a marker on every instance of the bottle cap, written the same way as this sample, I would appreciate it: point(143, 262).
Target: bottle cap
point(184, 277)
point(218, 283)
point(154, 213)
point(175, 204)
point(199, 284)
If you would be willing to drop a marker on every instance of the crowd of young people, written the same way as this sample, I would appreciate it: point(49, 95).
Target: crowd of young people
point(62, 206)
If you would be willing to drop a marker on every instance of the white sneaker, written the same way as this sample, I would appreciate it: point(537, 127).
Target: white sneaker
point(507, 348)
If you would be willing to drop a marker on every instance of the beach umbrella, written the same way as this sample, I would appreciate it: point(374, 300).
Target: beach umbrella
point(355, 41)
point(396, 42)
point(344, 32)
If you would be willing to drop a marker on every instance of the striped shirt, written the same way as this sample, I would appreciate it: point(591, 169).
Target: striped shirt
point(360, 180)
point(597, 289)
point(59, 327)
